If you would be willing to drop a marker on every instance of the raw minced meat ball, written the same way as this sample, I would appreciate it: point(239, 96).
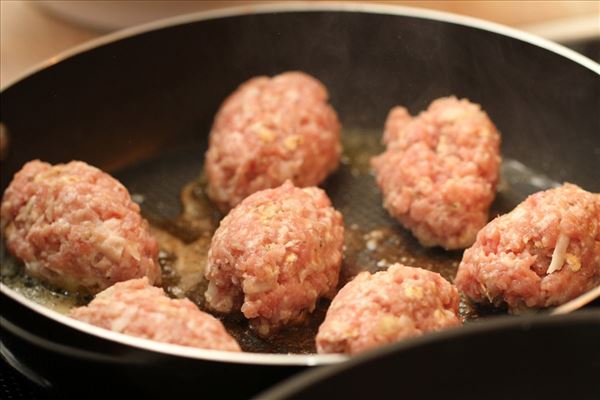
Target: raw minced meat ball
point(439, 172)
point(138, 309)
point(543, 253)
point(274, 255)
point(76, 227)
point(373, 310)
point(397, 120)
point(268, 131)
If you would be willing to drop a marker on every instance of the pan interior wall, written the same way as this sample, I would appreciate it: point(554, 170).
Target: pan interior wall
point(157, 92)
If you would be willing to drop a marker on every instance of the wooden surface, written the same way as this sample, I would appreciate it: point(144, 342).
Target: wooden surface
point(30, 34)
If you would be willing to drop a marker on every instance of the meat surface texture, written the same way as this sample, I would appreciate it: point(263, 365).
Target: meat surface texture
point(76, 227)
point(543, 253)
point(275, 255)
point(385, 307)
point(439, 172)
point(268, 131)
point(138, 309)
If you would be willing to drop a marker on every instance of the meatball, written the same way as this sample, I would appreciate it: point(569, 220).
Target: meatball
point(275, 254)
point(373, 310)
point(438, 174)
point(270, 130)
point(543, 253)
point(76, 227)
point(138, 309)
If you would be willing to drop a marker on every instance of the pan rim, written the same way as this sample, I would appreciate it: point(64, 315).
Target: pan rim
point(305, 6)
point(173, 349)
point(294, 384)
point(502, 322)
point(265, 358)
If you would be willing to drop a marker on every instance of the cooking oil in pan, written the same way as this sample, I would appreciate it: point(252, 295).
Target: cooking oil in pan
point(373, 241)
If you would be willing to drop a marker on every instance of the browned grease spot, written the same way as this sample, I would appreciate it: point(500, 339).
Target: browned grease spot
point(296, 339)
point(184, 243)
point(359, 147)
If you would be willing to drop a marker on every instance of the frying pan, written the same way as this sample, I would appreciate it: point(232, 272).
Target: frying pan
point(494, 360)
point(139, 104)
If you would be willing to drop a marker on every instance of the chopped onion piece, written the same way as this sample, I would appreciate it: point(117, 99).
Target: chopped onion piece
point(558, 256)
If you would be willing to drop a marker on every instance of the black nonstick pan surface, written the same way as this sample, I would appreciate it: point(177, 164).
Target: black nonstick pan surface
point(140, 106)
